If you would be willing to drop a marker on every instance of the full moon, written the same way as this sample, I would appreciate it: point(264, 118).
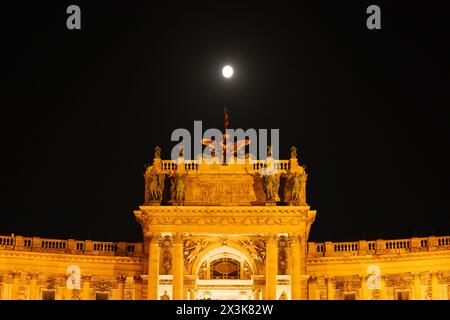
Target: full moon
point(227, 71)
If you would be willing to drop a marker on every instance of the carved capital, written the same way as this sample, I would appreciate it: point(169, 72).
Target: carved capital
point(14, 274)
point(177, 239)
point(121, 279)
point(272, 239)
point(295, 237)
point(154, 238)
point(425, 278)
point(86, 278)
point(34, 275)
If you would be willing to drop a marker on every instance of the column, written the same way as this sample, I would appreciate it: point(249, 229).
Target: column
point(15, 285)
point(271, 266)
point(435, 286)
point(312, 288)
point(153, 267)
point(383, 289)
point(177, 267)
point(120, 287)
point(33, 286)
point(67, 293)
point(365, 293)
point(417, 287)
point(296, 269)
point(330, 288)
point(138, 288)
point(85, 287)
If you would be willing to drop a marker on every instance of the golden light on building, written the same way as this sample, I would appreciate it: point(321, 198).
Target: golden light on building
point(214, 231)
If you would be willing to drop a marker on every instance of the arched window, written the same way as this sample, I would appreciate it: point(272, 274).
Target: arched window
point(225, 268)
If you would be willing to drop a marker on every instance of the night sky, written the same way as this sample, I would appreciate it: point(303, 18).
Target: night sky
point(84, 109)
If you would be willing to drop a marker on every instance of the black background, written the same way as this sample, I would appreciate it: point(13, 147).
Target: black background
point(366, 108)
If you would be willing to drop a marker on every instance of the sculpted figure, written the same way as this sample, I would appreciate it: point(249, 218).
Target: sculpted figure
point(293, 152)
point(271, 179)
point(271, 184)
point(167, 263)
point(192, 249)
point(283, 296)
point(295, 184)
point(254, 250)
point(165, 296)
point(155, 183)
point(157, 153)
point(178, 187)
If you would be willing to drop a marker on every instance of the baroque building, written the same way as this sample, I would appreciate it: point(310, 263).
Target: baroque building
point(225, 231)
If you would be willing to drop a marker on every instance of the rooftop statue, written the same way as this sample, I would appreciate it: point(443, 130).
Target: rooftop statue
point(155, 183)
point(293, 152)
point(157, 153)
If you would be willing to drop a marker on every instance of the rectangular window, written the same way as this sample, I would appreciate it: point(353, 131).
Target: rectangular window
point(101, 296)
point(48, 295)
point(402, 295)
point(349, 296)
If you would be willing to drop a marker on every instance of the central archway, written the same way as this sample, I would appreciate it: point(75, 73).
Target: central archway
point(224, 272)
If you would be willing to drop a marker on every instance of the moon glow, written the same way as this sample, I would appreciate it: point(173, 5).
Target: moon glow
point(227, 71)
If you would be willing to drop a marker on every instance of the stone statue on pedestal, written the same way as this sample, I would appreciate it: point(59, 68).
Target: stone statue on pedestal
point(157, 153)
point(295, 184)
point(155, 183)
point(178, 187)
point(271, 180)
point(293, 152)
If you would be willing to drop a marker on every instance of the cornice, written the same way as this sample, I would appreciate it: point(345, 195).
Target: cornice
point(220, 210)
point(381, 258)
point(70, 257)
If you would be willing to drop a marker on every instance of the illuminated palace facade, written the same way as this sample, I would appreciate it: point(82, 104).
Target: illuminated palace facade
point(234, 231)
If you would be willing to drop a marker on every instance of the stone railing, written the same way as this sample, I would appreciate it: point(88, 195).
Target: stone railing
point(169, 165)
point(256, 165)
point(377, 247)
point(71, 246)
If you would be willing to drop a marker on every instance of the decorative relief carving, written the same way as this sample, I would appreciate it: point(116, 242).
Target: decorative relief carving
point(429, 293)
point(322, 288)
point(154, 238)
point(121, 279)
point(425, 278)
point(400, 281)
point(103, 285)
point(283, 282)
point(86, 278)
point(177, 238)
point(23, 282)
point(256, 248)
point(128, 289)
point(192, 249)
point(444, 277)
point(137, 279)
point(202, 273)
point(165, 282)
point(348, 284)
point(222, 221)
point(51, 283)
point(272, 239)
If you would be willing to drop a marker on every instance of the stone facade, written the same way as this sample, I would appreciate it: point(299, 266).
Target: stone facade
point(214, 231)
